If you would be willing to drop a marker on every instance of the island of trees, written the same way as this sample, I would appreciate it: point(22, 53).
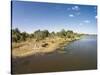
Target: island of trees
point(40, 41)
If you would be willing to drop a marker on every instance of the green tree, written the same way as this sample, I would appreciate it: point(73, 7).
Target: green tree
point(52, 34)
point(70, 34)
point(16, 35)
point(24, 36)
point(39, 35)
point(62, 33)
point(45, 33)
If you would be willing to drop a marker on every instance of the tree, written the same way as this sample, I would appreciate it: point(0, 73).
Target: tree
point(45, 33)
point(31, 35)
point(16, 35)
point(62, 33)
point(70, 34)
point(14, 38)
point(39, 35)
point(24, 36)
point(53, 34)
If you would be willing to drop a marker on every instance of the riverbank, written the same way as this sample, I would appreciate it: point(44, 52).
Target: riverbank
point(80, 55)
point(33, 47)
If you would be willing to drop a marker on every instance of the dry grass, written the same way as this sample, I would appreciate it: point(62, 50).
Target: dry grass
point(32, 47)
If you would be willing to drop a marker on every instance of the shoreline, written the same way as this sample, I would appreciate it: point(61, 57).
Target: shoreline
point(35, 48)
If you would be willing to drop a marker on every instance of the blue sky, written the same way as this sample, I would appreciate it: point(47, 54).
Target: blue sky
point(31, 16)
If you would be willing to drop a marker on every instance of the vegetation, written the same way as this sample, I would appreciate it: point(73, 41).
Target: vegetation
point(39, 42)
point(18, 36)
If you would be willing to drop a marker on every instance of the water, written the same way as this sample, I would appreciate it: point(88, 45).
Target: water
point(78, 55)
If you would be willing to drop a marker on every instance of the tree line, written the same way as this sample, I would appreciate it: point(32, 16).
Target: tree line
point(18, 36)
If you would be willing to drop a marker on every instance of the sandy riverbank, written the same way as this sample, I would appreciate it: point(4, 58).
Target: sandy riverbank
point(33, 47)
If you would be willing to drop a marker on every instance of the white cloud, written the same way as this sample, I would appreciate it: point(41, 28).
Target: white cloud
point(76, 8)
point(86, 21)
point(96, 17)
point(71, 15)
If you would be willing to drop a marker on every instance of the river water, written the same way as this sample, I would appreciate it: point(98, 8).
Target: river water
point(78, 55)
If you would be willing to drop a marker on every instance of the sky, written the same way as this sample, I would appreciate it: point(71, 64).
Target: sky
point(31, 16)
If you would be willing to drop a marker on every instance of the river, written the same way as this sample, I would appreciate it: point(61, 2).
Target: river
point(78, 55)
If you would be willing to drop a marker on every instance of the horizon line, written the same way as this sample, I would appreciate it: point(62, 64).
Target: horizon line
point(29, 32)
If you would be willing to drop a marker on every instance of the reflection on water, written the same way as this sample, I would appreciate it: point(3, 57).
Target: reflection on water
point(78, 55)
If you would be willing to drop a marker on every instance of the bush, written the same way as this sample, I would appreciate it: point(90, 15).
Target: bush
point(18, 36)
point(39, 35)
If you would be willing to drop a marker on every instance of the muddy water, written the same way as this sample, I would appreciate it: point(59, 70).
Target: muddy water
point(78, 55)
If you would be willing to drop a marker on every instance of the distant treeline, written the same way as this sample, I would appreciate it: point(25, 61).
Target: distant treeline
point(18, 36)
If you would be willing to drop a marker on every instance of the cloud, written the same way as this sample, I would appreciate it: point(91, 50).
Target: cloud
point(86, 21)
point(71, 15)
point(96, 17)
point(74, 11)
point(76, 8)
